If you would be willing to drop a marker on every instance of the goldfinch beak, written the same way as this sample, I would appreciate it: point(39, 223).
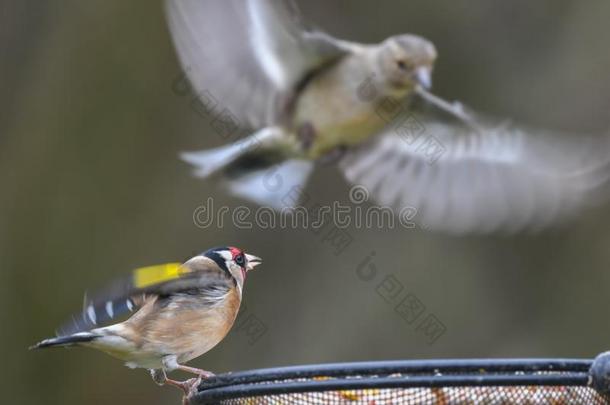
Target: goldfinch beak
point(423, 76)
point(253, 261)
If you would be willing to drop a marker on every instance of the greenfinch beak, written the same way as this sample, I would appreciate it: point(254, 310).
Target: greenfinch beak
point(423, 76)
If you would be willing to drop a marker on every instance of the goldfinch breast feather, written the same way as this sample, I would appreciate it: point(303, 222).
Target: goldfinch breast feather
point(315, 99)
point(180, 311)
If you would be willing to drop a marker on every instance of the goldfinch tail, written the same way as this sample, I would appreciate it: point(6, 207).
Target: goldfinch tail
point(70, 340)
point(255, 169)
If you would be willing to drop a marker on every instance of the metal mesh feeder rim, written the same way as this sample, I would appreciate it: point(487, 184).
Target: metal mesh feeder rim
point(407, 375)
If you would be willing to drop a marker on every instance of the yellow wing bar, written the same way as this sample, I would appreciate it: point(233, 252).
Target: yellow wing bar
point(147, 276)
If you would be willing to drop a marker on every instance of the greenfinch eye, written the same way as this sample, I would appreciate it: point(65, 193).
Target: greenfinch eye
point(402, 65)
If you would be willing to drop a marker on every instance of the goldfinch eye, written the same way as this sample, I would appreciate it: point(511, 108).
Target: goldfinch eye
point(240, 260)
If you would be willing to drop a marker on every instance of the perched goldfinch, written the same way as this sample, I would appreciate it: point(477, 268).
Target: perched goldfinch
point(315, 98)
point(181, 312)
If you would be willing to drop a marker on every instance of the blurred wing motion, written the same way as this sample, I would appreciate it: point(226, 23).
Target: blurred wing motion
point(497, 178)
point(247, 56)
point(128, 295)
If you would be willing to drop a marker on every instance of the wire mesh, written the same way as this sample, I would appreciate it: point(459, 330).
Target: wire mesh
point(472, 382)
point(519, 395)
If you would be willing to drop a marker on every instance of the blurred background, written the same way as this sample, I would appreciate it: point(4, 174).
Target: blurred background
point(91, 187)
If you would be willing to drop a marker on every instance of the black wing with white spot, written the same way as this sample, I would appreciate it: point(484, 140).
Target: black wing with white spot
point(109, 305)
point(126, 296)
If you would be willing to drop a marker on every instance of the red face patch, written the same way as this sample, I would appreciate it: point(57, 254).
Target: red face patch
point(240, 258)
point(235, 251)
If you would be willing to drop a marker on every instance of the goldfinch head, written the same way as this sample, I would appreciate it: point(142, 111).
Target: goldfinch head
point(234, 260)
point(407, 61)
